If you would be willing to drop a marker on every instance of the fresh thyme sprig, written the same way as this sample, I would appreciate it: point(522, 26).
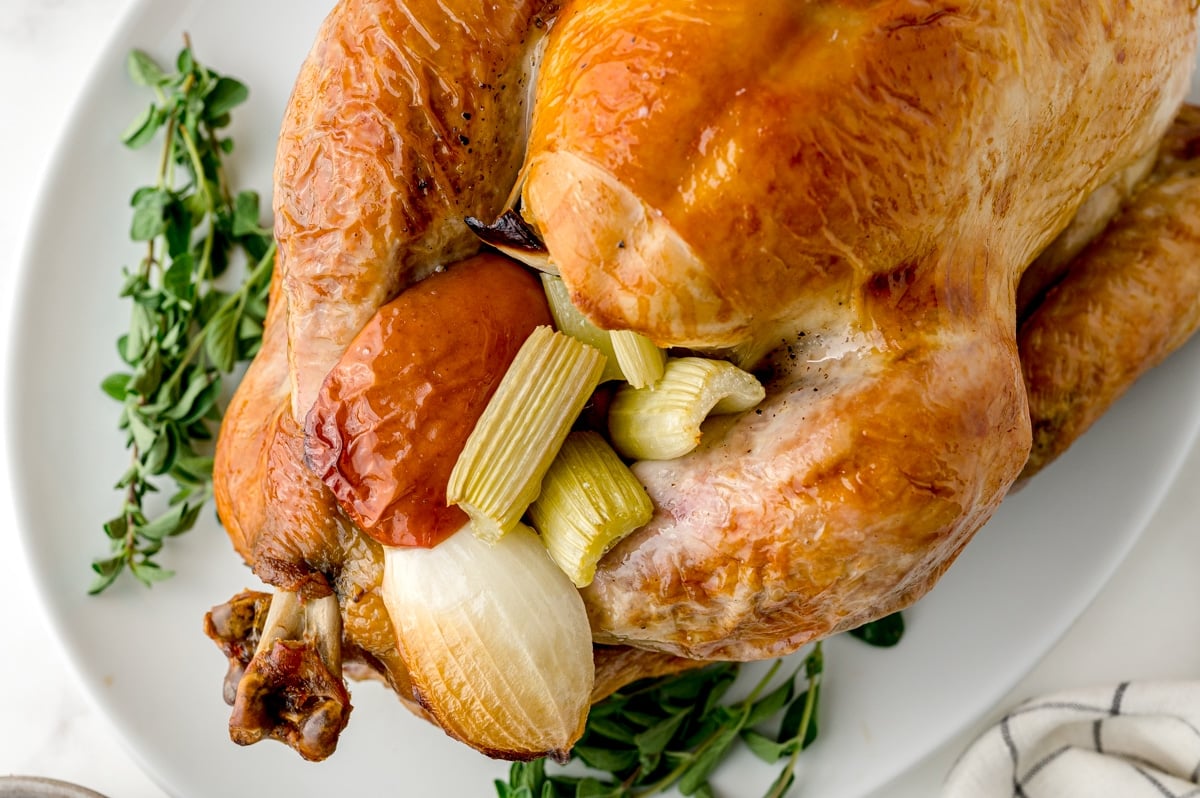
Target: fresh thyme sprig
point(674, 731)
point(184, 331)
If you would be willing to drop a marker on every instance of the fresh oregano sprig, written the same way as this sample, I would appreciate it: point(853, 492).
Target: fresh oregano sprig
point(673, 732)
point(185, 331)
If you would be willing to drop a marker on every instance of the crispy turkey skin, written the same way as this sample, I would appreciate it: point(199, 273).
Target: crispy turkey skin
point(842, 195)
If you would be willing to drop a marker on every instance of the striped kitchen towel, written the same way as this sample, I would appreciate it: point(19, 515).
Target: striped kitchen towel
point(1133, 740)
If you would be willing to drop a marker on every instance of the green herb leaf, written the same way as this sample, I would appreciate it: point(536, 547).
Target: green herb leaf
point(115, 385)
point(143, 70)
point(706, 761)
point(197, 395)
point(654, 740)
point(226, 95)
point(610, 728)
point(776, 700)
point(764, 747)
point(107, 570)
point(148, 375)
point(185, 62)
point(165, 525)
point(221, 339)
point(142, 433)
point(117, 527)
point(883, 633)
point(148, 209)
point(783, 782)
point(157, 458)
point(184, 333)
point(142, 129)
point(178, 281)
point(192, 473)
point(606, 759)
point(178, 227)
point(674, 732)
point(245, 215)
point(593, 788)
point(149, 572)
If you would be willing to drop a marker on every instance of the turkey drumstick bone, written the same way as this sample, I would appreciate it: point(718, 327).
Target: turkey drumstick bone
point(364, 206)
point(984, 181)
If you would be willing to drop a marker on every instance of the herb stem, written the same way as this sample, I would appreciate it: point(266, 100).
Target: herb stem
point(762, 685)
point(184, 332)
point(235, 300)
point(784, 781)
point(744, 706)
point(189, 143)
point(222, 178)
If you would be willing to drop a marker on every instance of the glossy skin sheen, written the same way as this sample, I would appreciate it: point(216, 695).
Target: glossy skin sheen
point(843, 194)
point(404, 120)
point(284, 522)
point(863, 183)
point(391, 136)
point(394, 414)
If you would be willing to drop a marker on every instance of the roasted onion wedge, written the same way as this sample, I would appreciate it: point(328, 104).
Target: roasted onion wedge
point(496, 640)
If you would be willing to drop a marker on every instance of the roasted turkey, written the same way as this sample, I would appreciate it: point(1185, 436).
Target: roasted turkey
point(839, 195)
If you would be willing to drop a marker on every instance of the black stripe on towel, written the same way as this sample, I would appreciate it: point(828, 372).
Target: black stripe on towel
point(1118, 696)
point(1046, 760)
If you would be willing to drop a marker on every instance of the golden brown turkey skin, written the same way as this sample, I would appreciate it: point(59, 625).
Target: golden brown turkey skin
point(1130, 299)
point(246, 431)
point(704, 172)
point(853, 187)
point(405, 118)
point(375, 170)
point(863, 182)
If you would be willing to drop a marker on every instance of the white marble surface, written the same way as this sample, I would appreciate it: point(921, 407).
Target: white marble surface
point(1142, 626)
point(47, 726)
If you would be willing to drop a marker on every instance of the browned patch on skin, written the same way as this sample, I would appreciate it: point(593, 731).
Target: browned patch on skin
point(1129, 300)
point(898, 291)
point(870, 173)
point(390, 140)
point(914, 21)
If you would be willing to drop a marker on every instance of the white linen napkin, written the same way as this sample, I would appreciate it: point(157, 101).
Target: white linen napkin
point(1133, 740)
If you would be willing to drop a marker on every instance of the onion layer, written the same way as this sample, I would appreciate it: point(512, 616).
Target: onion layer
point(496, 639)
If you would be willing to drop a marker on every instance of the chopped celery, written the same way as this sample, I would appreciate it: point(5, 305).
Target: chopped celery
point(662, 421)
point(512, 445)
point(640, 360)
point(589, 501)
point(569, 320)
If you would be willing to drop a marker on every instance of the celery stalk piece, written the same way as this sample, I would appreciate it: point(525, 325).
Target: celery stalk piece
point(640, 360)
point(568, 319)
point(662, 422)
point(500, 470)
point(589, 501)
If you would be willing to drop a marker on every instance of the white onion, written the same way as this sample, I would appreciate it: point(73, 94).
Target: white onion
point(496, 639)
